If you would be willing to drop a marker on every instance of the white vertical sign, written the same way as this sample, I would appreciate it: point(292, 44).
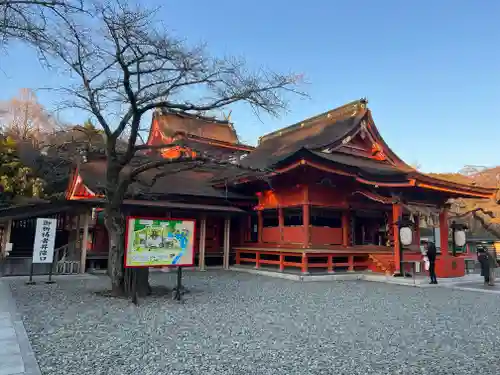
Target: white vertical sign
point(45, 236)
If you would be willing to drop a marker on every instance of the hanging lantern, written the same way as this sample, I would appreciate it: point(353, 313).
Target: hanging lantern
point(460, 237)
point(406, 235)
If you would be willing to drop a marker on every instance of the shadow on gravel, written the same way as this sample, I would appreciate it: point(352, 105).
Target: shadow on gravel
point(157, 292)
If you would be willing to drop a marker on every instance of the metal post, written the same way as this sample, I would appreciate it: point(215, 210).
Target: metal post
point(133, 278)
point(227, 243)
point(401, 260)
point(30, 281)
point(203, 235)
point(414, 269)
point(178, 288)
point(50, 281)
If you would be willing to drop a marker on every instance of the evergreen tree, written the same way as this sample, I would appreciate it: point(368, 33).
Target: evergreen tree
point(16, 179)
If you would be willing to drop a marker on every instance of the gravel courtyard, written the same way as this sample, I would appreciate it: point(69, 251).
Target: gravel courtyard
point(235, 323)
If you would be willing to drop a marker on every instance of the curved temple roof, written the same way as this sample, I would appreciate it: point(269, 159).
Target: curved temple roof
point(347, 137)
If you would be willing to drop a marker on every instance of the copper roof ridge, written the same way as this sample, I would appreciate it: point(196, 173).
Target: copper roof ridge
point(165, 111)
point(360, 103)
point(218, 141)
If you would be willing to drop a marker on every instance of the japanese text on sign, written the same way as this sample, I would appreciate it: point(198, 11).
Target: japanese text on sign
point(43, 247)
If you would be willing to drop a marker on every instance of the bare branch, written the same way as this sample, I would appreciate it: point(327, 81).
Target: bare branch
point(29, 20)
point(481, 216)
point(125, 64)
point(472, 212)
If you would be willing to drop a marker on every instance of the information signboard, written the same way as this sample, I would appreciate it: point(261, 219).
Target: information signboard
point(45, 238)
point(159, 242)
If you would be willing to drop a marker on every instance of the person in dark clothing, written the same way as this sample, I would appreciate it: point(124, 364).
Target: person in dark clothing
point(493, 263)
point(431, 255)
point(483, 259)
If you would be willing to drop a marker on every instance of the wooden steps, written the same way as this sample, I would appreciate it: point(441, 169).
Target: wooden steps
point(383, 262)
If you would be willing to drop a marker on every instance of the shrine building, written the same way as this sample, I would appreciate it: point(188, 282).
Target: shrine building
point(330, 196)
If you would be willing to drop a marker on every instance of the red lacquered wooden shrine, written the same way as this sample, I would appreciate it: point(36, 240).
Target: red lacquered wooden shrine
point(328, 198)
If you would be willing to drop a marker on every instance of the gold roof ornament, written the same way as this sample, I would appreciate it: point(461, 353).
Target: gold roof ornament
point(228, 117)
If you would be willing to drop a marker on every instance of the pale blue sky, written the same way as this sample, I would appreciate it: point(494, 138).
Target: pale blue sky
point(430, 68)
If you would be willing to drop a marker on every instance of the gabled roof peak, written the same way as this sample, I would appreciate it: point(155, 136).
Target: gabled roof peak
point(351, 109)
point(166, 112)
point(195, 124)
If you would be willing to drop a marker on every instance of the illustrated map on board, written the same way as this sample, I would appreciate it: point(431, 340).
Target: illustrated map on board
point(157, 242)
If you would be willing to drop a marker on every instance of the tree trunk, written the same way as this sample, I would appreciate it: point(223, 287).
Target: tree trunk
point(115, 224)
point(129, 282)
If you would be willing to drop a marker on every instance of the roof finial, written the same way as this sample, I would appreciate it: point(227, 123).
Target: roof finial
point(228, 117)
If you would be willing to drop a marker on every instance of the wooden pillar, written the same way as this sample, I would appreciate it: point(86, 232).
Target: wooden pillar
point(227, 244)
point(443, 231)
point(350, 262)
point(85, 238)
point(330, 263)
point(74, 240)
point(306, 222)
point(5, 239)
point(202, 246)
point(417, 231)
point(345, 228)
point(281, 223)
point(396, 215)
point(260, 226)
point(304, 265)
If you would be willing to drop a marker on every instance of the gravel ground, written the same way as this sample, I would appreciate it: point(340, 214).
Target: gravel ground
point(236, 323)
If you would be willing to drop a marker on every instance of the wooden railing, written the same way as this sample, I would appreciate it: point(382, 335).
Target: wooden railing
point(62, 263)
point(303, 260)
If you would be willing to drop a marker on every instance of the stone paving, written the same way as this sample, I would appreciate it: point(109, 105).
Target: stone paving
point(477, 287)
point(16, 355)
point(235, 323)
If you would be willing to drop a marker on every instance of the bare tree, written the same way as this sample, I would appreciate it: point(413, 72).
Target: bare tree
point(23, 118)
point(128, 65)
point(484, 217)
point(30, 19)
